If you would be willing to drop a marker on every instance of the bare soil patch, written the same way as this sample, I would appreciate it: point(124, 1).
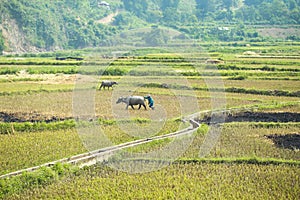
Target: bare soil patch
point(278, 32)
point(54, 79)
point(108, 19)
point(28, 117)
point(239, 117)
point(287, 141)
point(257, 117)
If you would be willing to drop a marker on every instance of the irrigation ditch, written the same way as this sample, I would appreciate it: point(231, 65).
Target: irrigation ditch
point(195, 120)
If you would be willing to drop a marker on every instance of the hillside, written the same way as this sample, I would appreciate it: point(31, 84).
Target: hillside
point(36, 25)
point(49, 25)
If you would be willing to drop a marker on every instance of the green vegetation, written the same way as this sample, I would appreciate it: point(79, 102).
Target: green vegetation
point(29, 144)
point(176, 12)
point(28, 149)
point(252, 142)
point(11, 128)
point(183, 181)
point(2, 46)
point(187, 55)
point(67, 24)
point(43, 176)
point(48, 25)
point(252, 158)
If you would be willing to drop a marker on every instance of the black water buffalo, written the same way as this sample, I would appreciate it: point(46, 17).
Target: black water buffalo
point(107, 84)
point(132, 100)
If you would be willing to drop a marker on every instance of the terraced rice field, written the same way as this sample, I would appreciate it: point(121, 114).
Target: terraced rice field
point(256, 154)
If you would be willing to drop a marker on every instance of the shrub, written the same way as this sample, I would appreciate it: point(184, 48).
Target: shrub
point(43, 176)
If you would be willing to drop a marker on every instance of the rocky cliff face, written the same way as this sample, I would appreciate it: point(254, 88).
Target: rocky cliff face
point(15, 41)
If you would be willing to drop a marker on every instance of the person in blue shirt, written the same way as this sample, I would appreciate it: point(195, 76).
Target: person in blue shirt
point(150, 101)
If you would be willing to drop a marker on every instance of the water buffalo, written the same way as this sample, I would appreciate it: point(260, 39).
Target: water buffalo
point(107, 84)
point(132, 100)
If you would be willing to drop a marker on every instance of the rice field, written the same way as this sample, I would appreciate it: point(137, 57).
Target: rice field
point(178, 181)
point(254, 157)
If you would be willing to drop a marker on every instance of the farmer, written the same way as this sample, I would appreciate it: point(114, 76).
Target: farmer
point(150, 101)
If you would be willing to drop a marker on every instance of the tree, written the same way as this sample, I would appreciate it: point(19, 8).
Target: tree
point(203, 7)
point(165, 4)
point(291, 4)
point(156, 37)
point(275, 12)
point(138, 7)
point(123, 19)
point(171, 16)
point(279, 8)
point(154, 16)
point(1, 42)
point(228, 3)
point(252, 2)
point(295, 15)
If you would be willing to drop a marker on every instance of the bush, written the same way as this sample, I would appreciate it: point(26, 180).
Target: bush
point(43, 176)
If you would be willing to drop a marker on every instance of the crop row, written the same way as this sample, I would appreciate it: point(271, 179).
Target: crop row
point(19, 86)
point(263, 92)
point(33, 61)
point(263, 68)
point(21, 80)
point(34, 92)
point(177, 181)
point(157, 71)
point(266, 61)
point(12, 128)
point(231, 89)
